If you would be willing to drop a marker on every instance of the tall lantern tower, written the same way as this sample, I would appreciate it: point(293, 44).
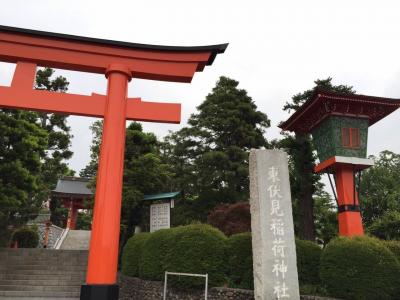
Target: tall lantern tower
point(339, 127)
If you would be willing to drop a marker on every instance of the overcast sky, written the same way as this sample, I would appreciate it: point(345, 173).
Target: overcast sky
point(276, 49)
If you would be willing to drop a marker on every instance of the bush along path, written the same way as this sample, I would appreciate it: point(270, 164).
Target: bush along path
point(348, 268)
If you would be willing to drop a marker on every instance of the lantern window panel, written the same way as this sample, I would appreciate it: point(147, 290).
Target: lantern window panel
point(351, 138)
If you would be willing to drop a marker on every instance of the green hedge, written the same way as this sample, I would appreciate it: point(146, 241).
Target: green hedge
point(156, 247)
point(200, 249)
point(308, 257)
point(27, 237)
point(360, 268)
point(393, 246)
point(240, 261)
point(132, 254)
point(196, 248)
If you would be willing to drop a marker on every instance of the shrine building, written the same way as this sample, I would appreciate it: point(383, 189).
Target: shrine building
point(74, 194)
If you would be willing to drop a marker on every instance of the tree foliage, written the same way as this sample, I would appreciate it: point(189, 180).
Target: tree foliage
point(380, 187)
point(144, 173)
point(209, 157)
point(26, 237)
point(22, 148)
point(59, 142)
point(325, 217)
point(386, 227)
point(231, 218)
point(33, 150)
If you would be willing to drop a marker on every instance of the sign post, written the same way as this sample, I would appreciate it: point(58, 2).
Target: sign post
point(160, 216)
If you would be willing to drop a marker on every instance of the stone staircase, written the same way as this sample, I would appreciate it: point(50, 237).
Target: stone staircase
point(76, 240)
point(41, 274)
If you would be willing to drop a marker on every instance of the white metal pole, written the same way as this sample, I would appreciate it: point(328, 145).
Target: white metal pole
point(165, 286)
point(206, 291)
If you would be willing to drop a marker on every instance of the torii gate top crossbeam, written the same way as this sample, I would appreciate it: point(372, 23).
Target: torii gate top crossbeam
point(32, 48)
point(85, 54)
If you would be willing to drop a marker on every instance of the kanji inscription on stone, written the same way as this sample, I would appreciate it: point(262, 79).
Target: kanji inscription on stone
point(274, 250)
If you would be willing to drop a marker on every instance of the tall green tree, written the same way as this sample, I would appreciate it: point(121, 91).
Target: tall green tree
point(90, 170)
point(304, 183)
point(22, 149)
point(210, 155)
point(59, 142)
point(34, 149)
point(325, 217)
point(59, 133)
point(144, 173)
point(380, 187)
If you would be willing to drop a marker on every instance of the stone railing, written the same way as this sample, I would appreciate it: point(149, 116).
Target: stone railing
point(54, 233)
point(137, 289)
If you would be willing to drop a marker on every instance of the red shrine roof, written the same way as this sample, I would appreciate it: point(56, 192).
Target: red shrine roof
point(324, 104)
point(74, 187)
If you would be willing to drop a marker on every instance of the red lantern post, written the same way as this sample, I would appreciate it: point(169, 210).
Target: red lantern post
point(339, 127)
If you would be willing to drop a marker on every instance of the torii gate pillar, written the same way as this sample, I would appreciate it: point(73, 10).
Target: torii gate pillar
point(104, 243)
point(120, 62)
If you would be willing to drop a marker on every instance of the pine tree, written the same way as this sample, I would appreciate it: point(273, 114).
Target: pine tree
point(210, 156)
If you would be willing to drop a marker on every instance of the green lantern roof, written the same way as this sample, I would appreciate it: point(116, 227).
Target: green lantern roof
point(324, 104)
point(162, 196)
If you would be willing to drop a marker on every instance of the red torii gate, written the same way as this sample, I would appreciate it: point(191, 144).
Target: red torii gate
point(120, 62)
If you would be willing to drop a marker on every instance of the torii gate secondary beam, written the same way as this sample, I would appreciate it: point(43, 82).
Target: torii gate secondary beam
point(120, 62)
point(21, 95)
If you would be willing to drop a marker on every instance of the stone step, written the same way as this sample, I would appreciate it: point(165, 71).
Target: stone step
point(51, 294)
point(46, 272)
point(36, 298)
point(43, 282)
point(42, 274)
point(44, 288)
point(11, 268)
point(77, 240)
point(78, 277)
point(35, 261)
point(59, 259)
point(5, 256)
point(43, 263)
point(36, 251)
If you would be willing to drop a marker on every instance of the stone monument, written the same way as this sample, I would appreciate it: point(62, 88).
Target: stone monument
point(274, 250)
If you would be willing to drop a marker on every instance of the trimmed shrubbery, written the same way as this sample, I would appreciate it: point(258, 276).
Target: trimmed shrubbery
point(26, 237)
point(360, 268)
point(393, 246)
point(199, 249)
point(348, 268)
point(195, 248)
point(132, 254)
point(308, 257)
point(152, 262)
point(240, 261)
